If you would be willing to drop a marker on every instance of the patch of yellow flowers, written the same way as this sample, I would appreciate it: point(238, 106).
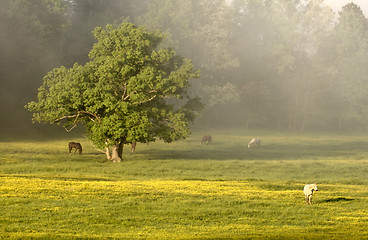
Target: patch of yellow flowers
point(43, 188)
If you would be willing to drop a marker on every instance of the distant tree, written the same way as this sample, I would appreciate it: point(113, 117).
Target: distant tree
point(350, 48)
point(85, 15)
point(129, 91)
point(306, 83)
point(31, 32)
point(200, 29)
point(264, 41)
point(282, 83)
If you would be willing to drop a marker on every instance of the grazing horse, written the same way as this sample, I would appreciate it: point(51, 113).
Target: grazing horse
point(308, 192)
point(254, 142)
point(206, 138)
point(75, 145)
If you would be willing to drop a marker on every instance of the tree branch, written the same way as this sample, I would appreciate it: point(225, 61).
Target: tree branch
point(125, 90)
point(167, 121)
point(148, 100)
point(97, 149)
point(77, 116)
point(128, 96)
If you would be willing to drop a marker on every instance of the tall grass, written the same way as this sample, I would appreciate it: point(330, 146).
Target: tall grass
point(186, 190)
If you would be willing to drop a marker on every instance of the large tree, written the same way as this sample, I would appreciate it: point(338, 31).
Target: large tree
point(129, 91)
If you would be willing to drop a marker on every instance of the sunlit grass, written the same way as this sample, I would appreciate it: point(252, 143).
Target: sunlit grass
point(185, 190)
point(179, 209)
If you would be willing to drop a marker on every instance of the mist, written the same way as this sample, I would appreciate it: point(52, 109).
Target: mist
point(287, 65)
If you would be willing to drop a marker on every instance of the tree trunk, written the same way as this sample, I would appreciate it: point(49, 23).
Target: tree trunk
point(120, 148)
point(115, 154)
point(108, 156)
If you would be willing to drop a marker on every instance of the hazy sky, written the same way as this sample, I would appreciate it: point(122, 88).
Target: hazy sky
point(337, 4)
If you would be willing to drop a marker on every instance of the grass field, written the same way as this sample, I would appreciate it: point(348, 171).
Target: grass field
point(185, 190)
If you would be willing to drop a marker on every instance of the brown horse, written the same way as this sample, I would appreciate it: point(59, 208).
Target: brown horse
point(75, 145)
point(206, 138)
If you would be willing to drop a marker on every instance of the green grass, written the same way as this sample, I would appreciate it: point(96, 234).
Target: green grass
point(185, 190)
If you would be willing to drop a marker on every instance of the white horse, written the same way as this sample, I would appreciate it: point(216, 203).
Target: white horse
point(254, 142)
point(308, 192)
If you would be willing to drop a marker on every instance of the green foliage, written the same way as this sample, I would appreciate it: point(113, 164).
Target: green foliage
point(122, 94)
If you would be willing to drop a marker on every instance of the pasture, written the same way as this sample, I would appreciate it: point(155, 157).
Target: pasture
point(185, 190)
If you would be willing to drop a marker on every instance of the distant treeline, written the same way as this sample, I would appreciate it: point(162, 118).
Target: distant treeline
point(290, 64)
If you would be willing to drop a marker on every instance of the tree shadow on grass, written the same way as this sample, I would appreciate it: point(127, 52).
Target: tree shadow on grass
point(337, 199)
point(269, 151)
point(213, 152)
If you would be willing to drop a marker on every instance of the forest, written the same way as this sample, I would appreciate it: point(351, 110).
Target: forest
point(284, 65)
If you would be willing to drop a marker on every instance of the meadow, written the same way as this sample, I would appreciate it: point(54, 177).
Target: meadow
point(185, 190)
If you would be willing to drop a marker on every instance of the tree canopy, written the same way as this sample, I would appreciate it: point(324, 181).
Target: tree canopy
point(129, 91)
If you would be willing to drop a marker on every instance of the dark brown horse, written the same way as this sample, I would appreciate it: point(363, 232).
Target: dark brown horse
point(206, 138)
point(75, 145)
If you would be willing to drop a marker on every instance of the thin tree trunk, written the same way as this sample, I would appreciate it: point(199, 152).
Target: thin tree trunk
point(307, 102)
point(296, 111)
point(247, 122)
point(340, 123)
point(108, 156)
point(305, 113)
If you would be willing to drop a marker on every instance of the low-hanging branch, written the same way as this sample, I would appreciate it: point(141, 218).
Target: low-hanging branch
point(89, 114)
point(76, 120)
point(97, 149)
